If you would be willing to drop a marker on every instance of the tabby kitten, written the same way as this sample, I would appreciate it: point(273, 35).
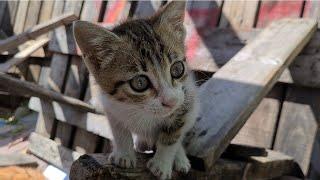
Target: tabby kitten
point(146, 89)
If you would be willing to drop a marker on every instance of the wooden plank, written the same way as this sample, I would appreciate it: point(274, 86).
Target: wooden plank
point(201, 16)
point(91, 10)
point(146, 8)
point(85, 142)
point(32, 14)
point(275, 10)
point(95, 123)
point(17, 160)
point(239, 14)
point(31, 89)
point(95, 166)
point(298, 124)
point(23, 55)
point(8, 22)
point(74, 84)
point(260, 127)
point(238, 87)
point(51, 152)
point(62, 40)
point(14, 41)
point(116, 11)
point(46, 11)
point(3, 7)
point(21, 16)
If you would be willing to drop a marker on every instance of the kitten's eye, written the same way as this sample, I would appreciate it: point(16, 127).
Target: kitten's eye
point(177, 69)
point(140, 83)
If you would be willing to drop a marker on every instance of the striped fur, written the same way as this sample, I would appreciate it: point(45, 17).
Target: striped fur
point(164, 111)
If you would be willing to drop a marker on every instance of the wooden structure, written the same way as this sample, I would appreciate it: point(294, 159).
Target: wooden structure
point(216, 31)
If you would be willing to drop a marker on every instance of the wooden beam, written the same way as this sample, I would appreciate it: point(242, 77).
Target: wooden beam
point(95, 166)
point(51, 152)
point(31, 89)
point(231, 95)
point(14, 41)
point(23, 55)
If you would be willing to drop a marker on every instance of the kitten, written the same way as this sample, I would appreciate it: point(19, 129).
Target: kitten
point(146, 89)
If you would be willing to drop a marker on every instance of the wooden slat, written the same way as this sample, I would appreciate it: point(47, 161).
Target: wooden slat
point(299, 124)
point(17, 159)
point(91, 10)
point(14, 41)
point(95, 166)
point(116, 11)
point(23, 55)
point(146, 8)
point(32, 14)
point(13, 8)
point(3, 7)
point(7, 23)
point(239, 14)
point(21, 16)
point(46, 11)
point(74, 82)
point(31, 89)
point(52, 152)
point(230, 96)
point(62, 40)
point(275, 10)
point(97, 124)
point(260, 127)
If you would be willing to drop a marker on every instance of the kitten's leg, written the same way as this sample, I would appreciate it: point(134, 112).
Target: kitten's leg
point(162, 162)
point(143, 144)
point(181, 161)
point(123, 154)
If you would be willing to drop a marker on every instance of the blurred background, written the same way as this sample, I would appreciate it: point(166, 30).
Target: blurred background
point(37, 46)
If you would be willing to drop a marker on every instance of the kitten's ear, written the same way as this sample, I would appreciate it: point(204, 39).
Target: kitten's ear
point(97, 44)
point(172, 14)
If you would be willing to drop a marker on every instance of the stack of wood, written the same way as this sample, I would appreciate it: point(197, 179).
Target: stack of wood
point(68, 126)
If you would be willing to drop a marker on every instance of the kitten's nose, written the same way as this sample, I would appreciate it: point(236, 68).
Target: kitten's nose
point(170, 103)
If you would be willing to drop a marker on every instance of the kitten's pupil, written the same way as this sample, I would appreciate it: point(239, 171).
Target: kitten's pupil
point(177, 70)
point(140, 83)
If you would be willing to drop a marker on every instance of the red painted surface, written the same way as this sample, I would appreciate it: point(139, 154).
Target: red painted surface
point(114, 11)
point(275, 10)
point(203, 19)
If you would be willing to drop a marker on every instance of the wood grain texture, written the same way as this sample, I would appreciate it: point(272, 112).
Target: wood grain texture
point(34, 32)
point(46, 11)
point(298, 124)
point(239, 14)
point(23, 55)
point(260, 127)
point(244, 80)
point(32, 14)
point(62, 39)
point(21, 16)
point(94, 166)
point(55, 154)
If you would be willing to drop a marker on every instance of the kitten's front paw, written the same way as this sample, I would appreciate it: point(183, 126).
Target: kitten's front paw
point(181, 163)
point(159, 168)
point(122, 160)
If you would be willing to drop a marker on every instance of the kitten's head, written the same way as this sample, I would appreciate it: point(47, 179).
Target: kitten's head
point(141, 62)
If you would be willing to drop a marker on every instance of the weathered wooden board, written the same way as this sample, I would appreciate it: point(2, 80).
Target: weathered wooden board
point(231, 95)
point(95, 166)
point(116, 11)
point(17, 159)
point(34, 32)
point(7, 23)
point(74, 82)
point(21, 15)
point(260, 127)
point(146, 8)
point(97, 124)
point(3, 7)
point(91, 10)
point(62, 40)
point(46, 11)
point(239, 14)
point(52, 152)
point(23, 55)
point(299, 124)
point(32, 14)
point(275, 10)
